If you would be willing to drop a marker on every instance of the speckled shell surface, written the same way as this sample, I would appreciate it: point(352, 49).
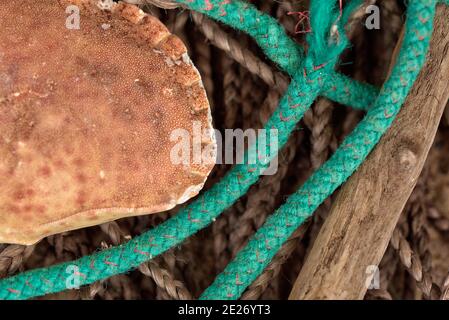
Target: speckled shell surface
point(86, 116)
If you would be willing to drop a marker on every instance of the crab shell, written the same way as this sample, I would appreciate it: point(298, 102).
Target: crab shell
point(86, 117)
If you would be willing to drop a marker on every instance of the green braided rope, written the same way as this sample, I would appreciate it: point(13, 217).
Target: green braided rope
point(346, 91)
point(199, 214)
point(253, 259)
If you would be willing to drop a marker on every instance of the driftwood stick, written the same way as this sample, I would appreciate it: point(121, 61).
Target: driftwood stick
point(364, 215)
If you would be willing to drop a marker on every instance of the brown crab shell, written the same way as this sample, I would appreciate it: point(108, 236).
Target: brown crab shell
point(86, 116)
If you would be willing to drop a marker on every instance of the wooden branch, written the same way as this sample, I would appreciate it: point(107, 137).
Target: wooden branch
point(364, 215)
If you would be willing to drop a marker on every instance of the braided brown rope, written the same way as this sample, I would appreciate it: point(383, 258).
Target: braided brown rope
point(439, 221)
point(419, 233)
point(252, 98)
point(413, 264)
point(93, 290)
point(318, 120)
point(174, 288)
point(12, 258)
point(391, 13)
point(261, 202)
point(288, 21)
point(378, 294)
point(221, 242)
point(266, 6)
point(445, 289)
point(164, 4)
point(245, 222)
point(231, 97)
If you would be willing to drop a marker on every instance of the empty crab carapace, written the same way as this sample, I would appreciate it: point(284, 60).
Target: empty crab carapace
point(86, 116)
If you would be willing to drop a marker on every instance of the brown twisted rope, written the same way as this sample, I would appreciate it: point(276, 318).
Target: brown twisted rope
point(412, 262)
point(174, 288)
point(445, 289)
point(252, 98)
point(418, 260)
point(286, 20)
point(419, 233)
point(259, 205)
point(318, 120)
point(91, 291)
point(12, 258)
point(378, 294)
point(221, 243)
point(246, 221)
point(231, 86)
point(359, 37)
point(439, 221)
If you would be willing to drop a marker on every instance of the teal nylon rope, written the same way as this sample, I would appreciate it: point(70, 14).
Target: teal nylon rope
point(210, 204)
point(346, 91)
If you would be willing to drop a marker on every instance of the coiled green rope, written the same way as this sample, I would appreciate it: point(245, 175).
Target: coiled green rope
point(311, 75)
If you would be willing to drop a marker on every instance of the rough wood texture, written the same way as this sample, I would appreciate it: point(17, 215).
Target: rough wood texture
point(364, 215)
